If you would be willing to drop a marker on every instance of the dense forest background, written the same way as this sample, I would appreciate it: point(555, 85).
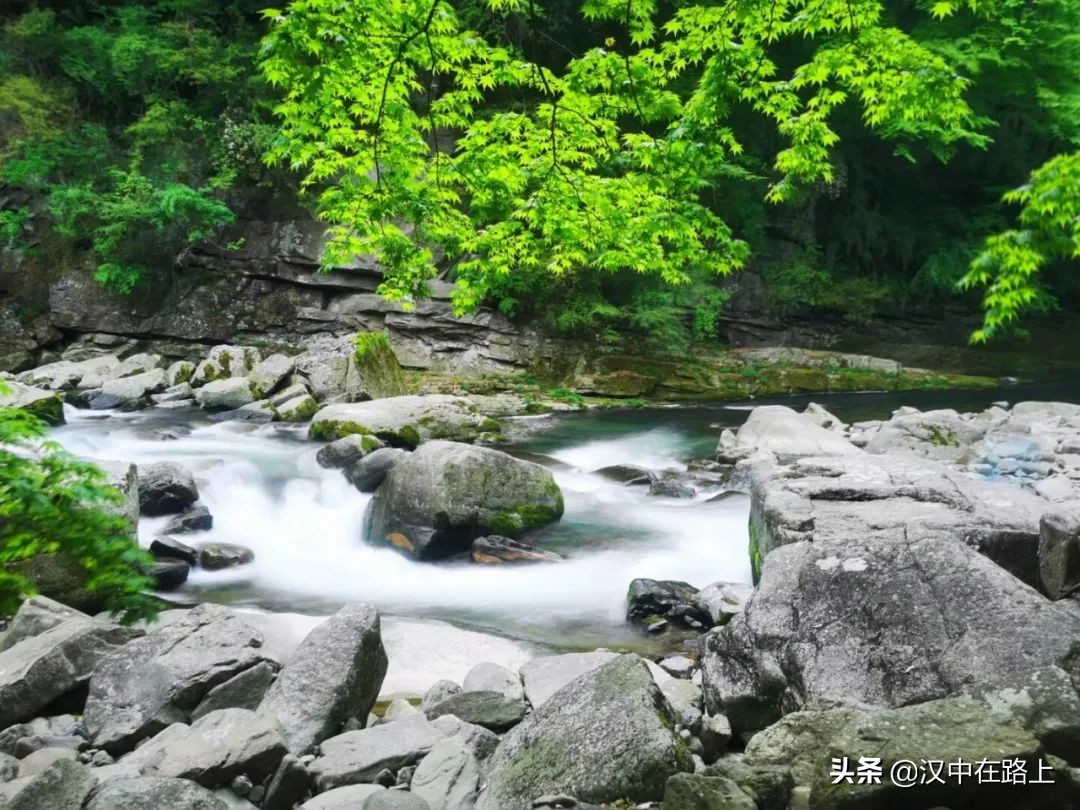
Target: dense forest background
point(133, 130)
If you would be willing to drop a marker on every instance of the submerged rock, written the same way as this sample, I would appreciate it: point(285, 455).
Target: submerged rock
point(441, 497)
point(496, 550)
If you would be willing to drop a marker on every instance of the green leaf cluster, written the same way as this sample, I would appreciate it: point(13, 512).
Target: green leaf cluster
point(53, 503)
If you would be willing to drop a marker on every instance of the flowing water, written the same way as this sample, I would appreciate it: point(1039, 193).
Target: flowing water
point(304, 523)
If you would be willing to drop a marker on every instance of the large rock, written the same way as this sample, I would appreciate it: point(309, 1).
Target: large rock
point(691, 791)
point(1059, 551)
point(649, 599)
point(545, 675)
point(34, 616)
point(335, 675)
point(448, 778)
point(165, 487)
point(221, 746)
point(297, 409)
point(404, 421)
point(159, 679)
point(43, 667)
point(153, 793)
point(269, 375)
point(342, 453)
point(359, 756)
point(349, 372)
point(45, 405)
point(368, 473)
point(606, 736)
point(130, 392)
point(64, 375)
point(788, 435)
point(1004, 725)
point(445, 494)
point(943, 435)
point(871, 595)
point(225, 395)
point(489, 709)
point(348, 797)
point(224, 362)
point(488, 677)
point(64, 785)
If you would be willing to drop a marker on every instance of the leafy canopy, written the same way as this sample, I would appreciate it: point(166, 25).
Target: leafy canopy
point(51, 502)
point(424, 139)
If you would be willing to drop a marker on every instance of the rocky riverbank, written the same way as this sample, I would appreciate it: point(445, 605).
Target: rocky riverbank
point(915, 602)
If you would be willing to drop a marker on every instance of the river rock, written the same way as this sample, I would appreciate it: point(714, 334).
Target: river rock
point(1059, 551)
point(45, 405)
point(223, 745)
point(42, 759)
point(404, 421)
point(269, 375)
point(342, 453)
point(153, 793)
point(488, 677)
point(648, 599)
point(64, 785)
point(164, 547)
point(180, 373)
point(159, 679)
point(349, 797)
point(297, 409)
point(368, 473)
point(724, 599)
point(168, 575)
point(823, 418)
point(136, 364)
point(67, 374)
point(489, 709)
point(496, 550)
point(943, 435)
point(788, 435)
point(335, 674)
point(225, 362)
point(359, 756)
point(448, 778)
point(444, 495)
point(181, 392)
point(34, 616)
point(627, 474)
point(869, 571)
point(608, 735)
point(165, 488)
point(225, 395)
point(245, 690)
point(216, 556)
point(692, 791)
point(43, 667)
point(289, 785)
point(192, 519)
point(438, 692)
point(130, 392)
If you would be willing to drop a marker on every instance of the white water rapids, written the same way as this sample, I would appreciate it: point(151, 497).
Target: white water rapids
point(266, 491)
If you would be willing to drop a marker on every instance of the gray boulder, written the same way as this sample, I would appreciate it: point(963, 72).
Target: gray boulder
point(216, 556)
point(289, 785)
point(335, 675)
point(43, 667)
point(545, 675)
point(488, 677)
point(342, 453)
point(297, 409)
point(441, 497)
point(45, 405)
point(67, 374)
point(648, 599)
point(349, 797)
point(394, 800)
point(64, 785)
point(165, 487)
point(225, 362)
point(130, 392)
point(491, 710)
point(1059, 551)
point(786, 434)
point(368, 473)
point(159, 679)
point(942, 435)
point(404, 421)
point(269, 375)
point(438, 692)
point(606, 736)
point(359, 756)
point(691, 791)
point(164, 547)
point(225, 395)
point(245, 690)
point(344, 372)
point(134, 365)
point(182, 392)
point(290, 392)
point(866, 583)
point(180, 373)
point(223, 745)
point(192, 519)
point(34, 616)
point(153, 793)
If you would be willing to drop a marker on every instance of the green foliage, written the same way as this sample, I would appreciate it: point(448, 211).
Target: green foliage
point(51, 502)
point(601, 164)
point(135, 121)
point(368, 342)
point(1049, 230)
point(12, 223)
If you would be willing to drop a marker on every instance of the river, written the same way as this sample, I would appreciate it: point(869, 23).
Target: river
point(266, 491)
